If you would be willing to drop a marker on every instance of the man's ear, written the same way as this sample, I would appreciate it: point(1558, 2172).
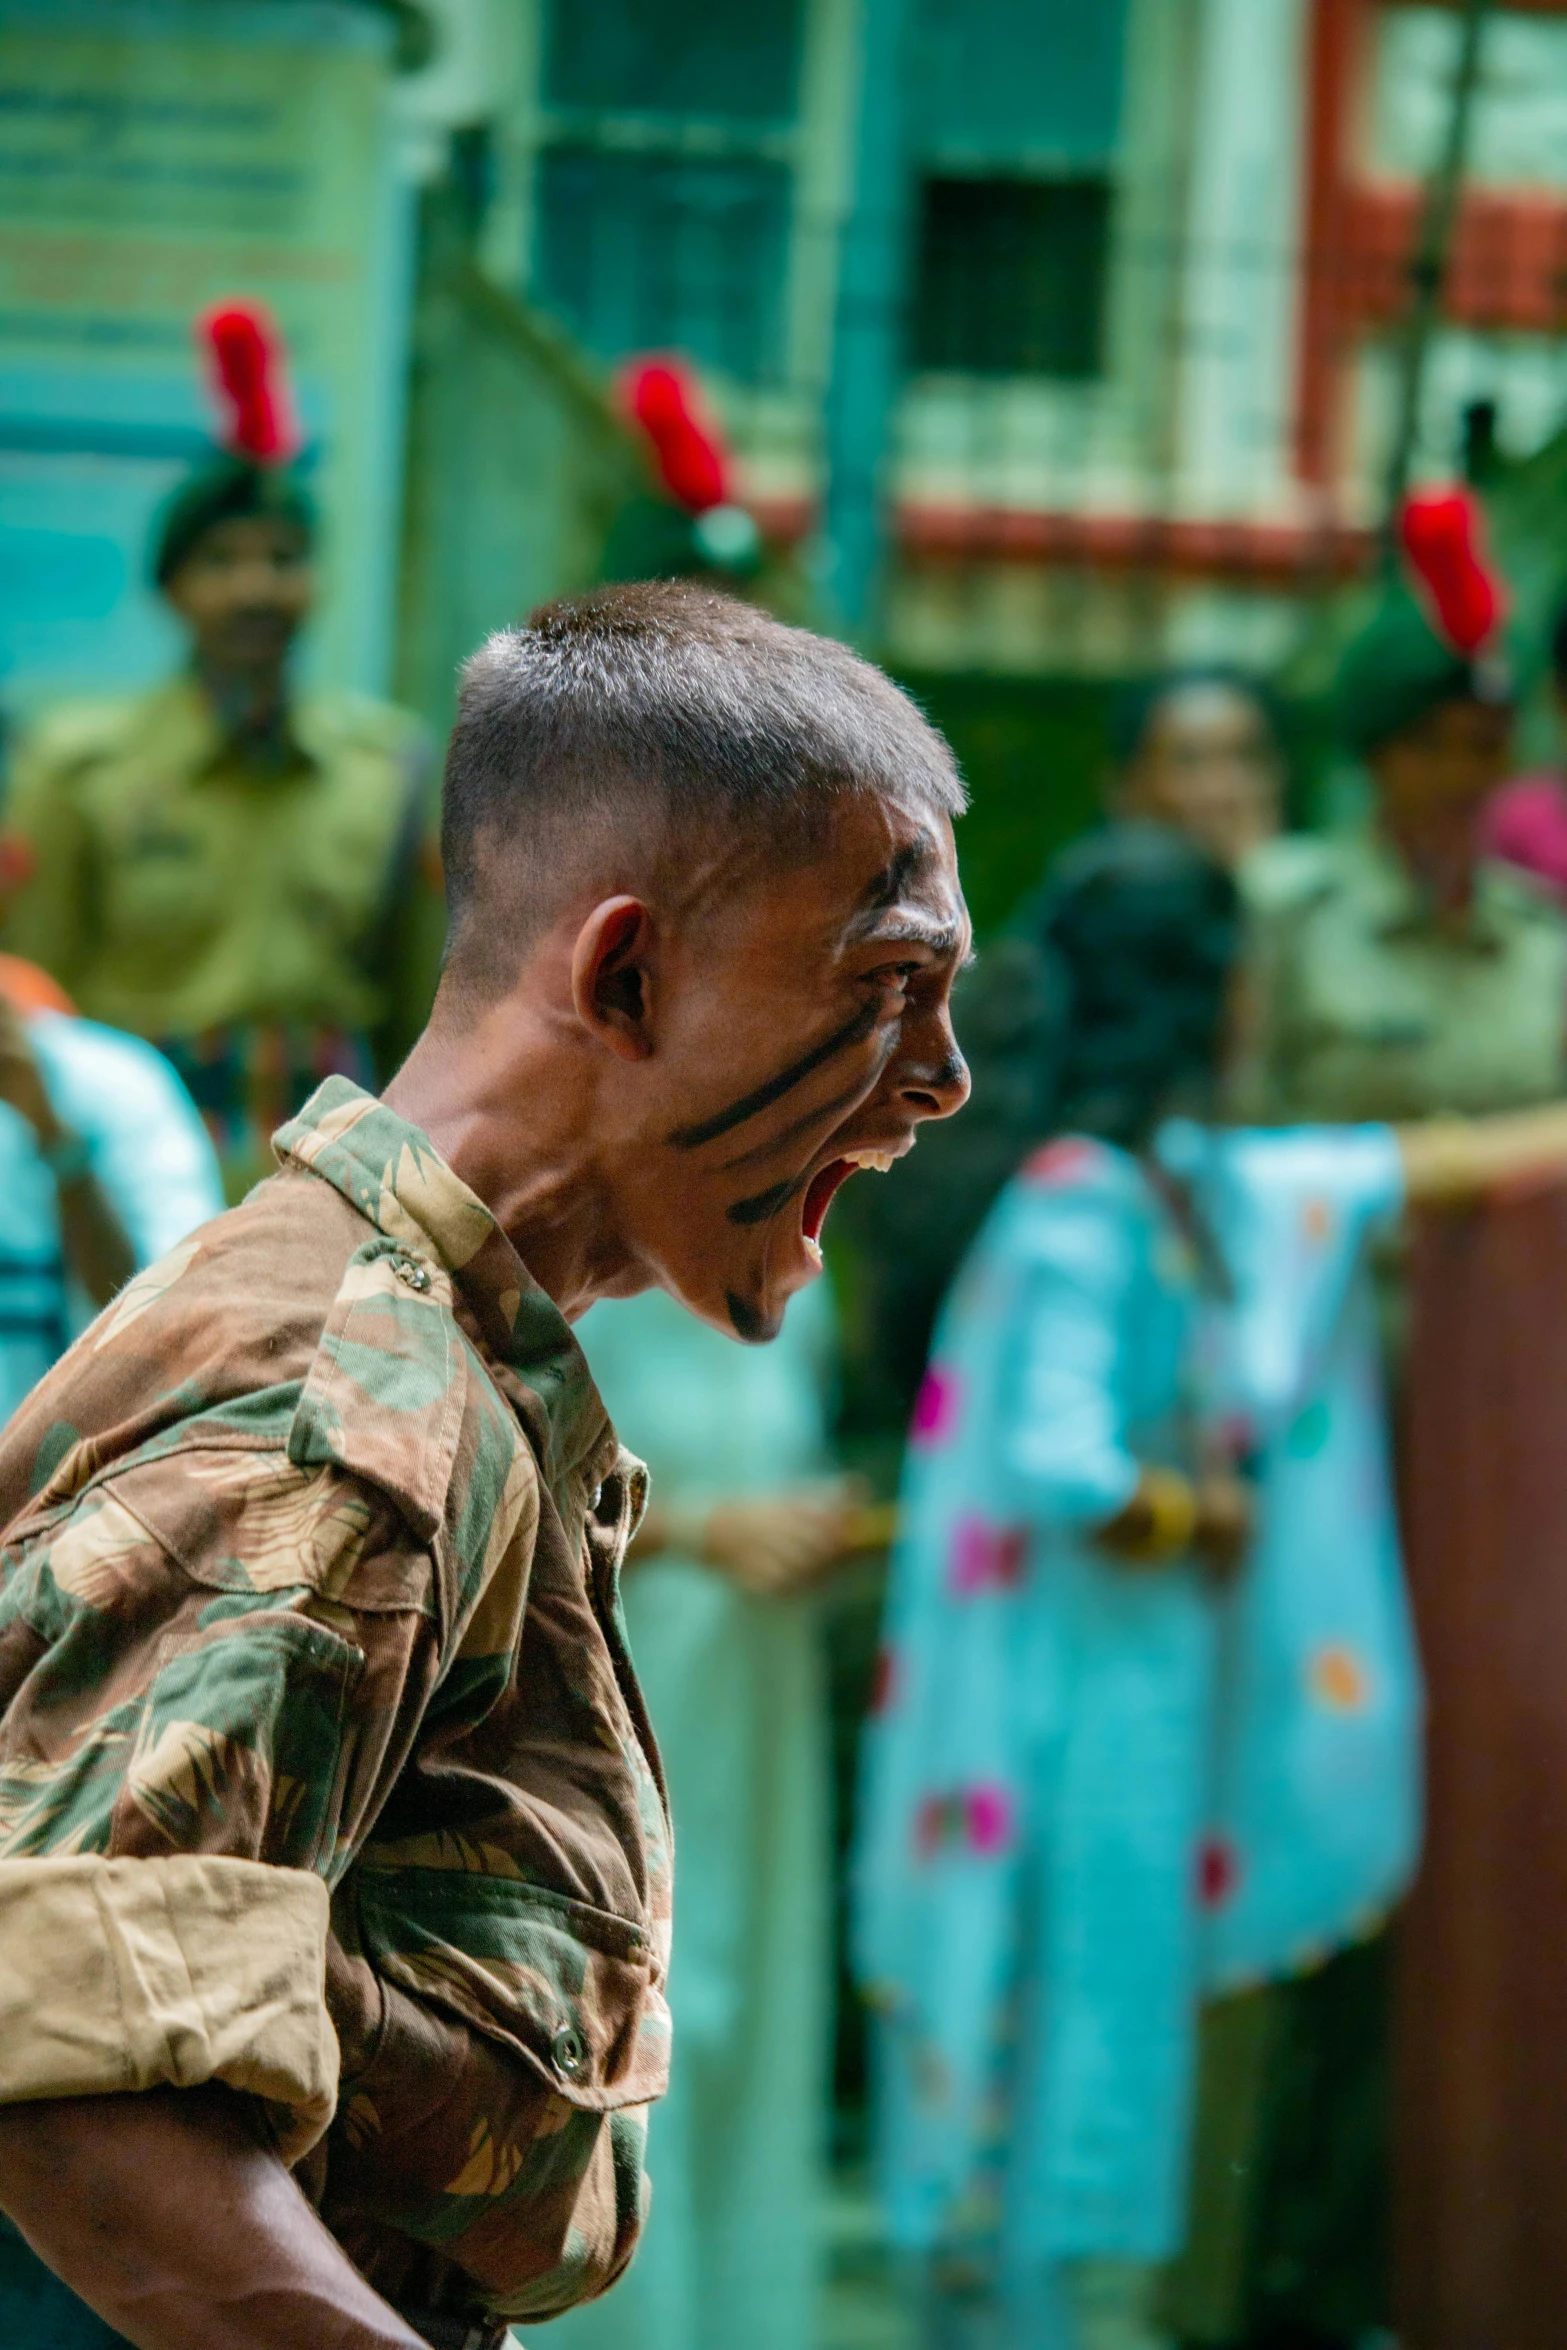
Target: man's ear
point(612, 977)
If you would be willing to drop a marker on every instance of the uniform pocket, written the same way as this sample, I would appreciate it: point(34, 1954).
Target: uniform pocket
point(568, 1987)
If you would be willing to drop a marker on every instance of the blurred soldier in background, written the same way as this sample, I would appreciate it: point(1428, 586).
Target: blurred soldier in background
point(229, 867)
point(725, 1640)
point(1399, 973)
point(1396, 974)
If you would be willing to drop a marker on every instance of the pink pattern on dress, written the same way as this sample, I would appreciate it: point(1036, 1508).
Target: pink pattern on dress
point(935, 1409)
point(985, 1557)
point(989, 1811)
point(978, 1818)
point(1060, 1162)
point(930, 1825)
point(1218, 1871)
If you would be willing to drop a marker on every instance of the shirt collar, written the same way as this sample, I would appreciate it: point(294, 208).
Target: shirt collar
point(1402, 908)
point(191, 735)
point(392, 1173)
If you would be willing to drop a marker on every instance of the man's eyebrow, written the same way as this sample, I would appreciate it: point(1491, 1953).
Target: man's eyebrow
point(943, 938)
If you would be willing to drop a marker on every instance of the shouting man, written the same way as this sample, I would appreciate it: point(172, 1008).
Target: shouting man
point(330, 1818)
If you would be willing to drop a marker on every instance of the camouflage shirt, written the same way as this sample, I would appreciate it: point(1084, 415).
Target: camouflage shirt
point(323, 1770)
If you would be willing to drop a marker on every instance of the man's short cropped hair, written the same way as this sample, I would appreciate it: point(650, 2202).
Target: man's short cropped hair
point(669, 709)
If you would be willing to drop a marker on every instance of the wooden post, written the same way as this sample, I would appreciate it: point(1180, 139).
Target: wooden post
point(1481, 2135)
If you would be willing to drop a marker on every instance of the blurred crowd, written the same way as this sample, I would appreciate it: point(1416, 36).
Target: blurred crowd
point(1141, 1786)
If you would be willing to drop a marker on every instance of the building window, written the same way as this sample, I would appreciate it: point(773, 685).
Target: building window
point(1011, 277)
point(1010, 85)
point(641, 252)
point(685, 58)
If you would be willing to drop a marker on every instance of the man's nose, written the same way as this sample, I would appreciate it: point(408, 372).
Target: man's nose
point(261, 584)
point(938, 1087)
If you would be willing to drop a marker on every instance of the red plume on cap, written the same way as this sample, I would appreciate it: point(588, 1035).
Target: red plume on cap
point(1443, 537)
point(693, 463)
point(245, 351)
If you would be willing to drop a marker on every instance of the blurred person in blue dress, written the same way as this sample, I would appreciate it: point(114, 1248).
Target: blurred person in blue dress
point(1149, 1710)
point(744, 1518)
point(104, 1166)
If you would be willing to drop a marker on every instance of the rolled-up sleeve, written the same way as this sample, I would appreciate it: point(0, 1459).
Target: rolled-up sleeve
point(129, 1974)
point(190, 1747)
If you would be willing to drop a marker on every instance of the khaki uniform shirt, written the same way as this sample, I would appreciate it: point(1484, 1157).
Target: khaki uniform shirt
point(1365, 1008)
point(323, 1768)
point(265, 924)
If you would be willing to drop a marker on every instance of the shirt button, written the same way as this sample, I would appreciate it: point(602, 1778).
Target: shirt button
point(570, 2050)
point(409, 1269)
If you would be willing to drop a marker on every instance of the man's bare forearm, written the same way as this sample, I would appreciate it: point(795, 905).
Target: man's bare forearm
point(94, 1240)
point(165, 2213)
point(1458, 1159)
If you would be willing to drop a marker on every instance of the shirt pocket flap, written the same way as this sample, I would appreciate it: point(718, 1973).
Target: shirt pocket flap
point(571, 1989)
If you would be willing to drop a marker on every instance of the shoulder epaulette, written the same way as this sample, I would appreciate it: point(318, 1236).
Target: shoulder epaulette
point(74, 733)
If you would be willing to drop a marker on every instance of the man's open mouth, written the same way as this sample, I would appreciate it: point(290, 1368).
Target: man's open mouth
point(824, 1186)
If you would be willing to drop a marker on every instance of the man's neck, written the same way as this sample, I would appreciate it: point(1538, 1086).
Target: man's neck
point(1441, 860)
point(532, 1171)
point(250, 705)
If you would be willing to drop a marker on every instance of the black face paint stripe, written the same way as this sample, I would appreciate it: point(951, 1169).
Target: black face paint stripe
point(763, 1204)
point(855, 1031)
point(748, 1323)
point(802, 1125)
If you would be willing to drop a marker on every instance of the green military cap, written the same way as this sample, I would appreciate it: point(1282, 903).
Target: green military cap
point(691, 527)
point(1396, 670)
point(1435, 636)
point(250, 474)
point(230, 489)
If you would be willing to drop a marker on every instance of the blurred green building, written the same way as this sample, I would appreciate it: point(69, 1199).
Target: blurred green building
point(1056, 342)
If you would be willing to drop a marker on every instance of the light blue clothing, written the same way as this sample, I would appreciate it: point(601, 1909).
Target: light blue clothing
point(730, 2255)
point(1035, 1783)
point(150, 1154)
point(1095, 1791)
point(1315, 1815)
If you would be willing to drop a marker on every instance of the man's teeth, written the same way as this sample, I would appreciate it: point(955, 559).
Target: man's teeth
point(881, 1161)
point(813, 1249)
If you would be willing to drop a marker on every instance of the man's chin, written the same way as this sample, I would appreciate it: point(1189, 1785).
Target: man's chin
point(745, 1301)
point(753, 1315)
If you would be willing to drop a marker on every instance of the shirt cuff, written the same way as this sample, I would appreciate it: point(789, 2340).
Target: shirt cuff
point(129, 1974)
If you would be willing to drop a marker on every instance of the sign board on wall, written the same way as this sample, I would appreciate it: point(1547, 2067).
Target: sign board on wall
point(157, 156)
